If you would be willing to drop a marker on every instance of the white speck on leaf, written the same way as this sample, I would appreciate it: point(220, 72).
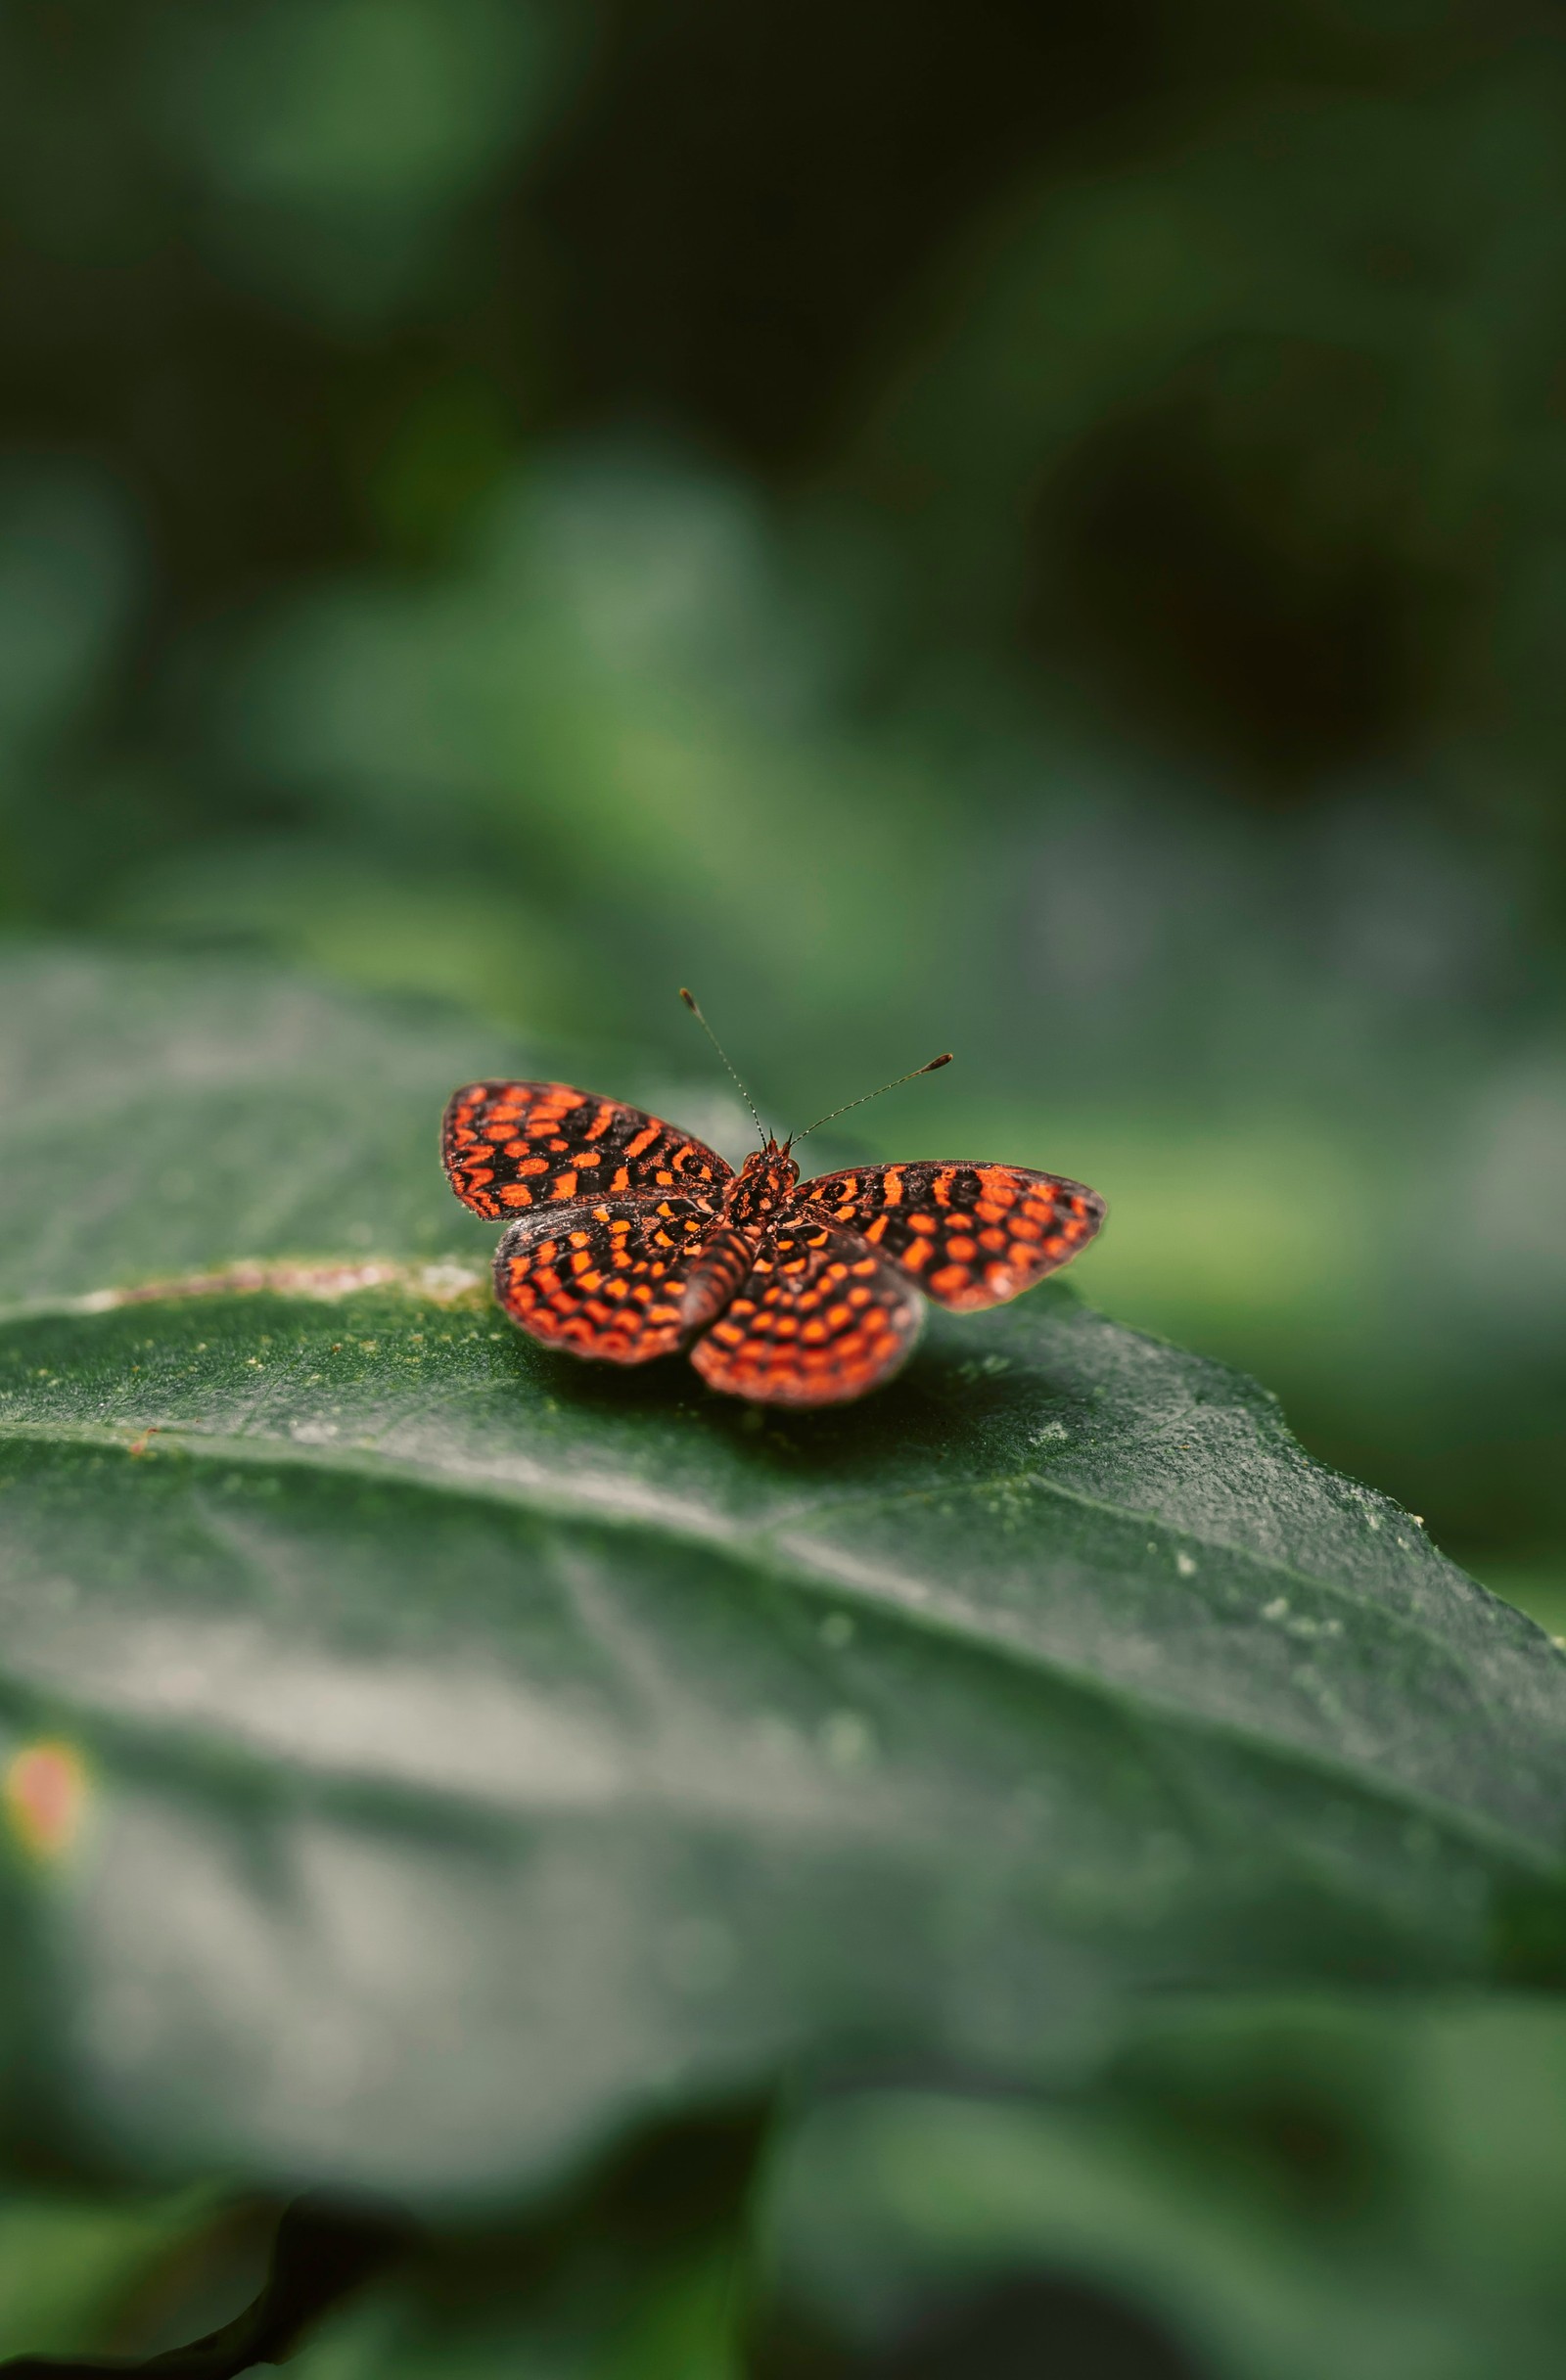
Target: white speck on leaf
point(847, 1740)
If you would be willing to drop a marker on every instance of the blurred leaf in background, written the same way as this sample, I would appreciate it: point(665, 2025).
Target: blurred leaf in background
point(332, 146)
point(1283, 2189)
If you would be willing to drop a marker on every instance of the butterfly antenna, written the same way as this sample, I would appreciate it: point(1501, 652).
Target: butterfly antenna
point(930, 1066)
point(723, 1054)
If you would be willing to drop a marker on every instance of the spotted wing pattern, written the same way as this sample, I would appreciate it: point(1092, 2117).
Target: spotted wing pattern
point(509, 1146)
point(821, 1318)
point(602, 1278)
point(970, 1235)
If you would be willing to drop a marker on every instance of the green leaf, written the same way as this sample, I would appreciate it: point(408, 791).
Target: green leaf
point(673, 2322)
point(76, 2271)
point(436, 1755)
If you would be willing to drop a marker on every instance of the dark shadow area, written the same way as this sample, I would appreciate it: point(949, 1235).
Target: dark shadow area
point(1170, 570)
point(1031, 2326)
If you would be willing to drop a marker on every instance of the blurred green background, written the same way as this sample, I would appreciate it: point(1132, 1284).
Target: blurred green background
point(1031, 531)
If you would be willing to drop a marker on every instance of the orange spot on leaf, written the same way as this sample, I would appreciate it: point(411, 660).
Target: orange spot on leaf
point(44, 1795)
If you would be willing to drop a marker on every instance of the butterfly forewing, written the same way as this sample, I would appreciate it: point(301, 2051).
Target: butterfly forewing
point(602, 1277)
point(969, 1235)
point(821, 1318)
point(513, 1146)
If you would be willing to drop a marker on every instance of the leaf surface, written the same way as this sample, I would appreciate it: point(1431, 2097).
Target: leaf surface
point(425, 1755)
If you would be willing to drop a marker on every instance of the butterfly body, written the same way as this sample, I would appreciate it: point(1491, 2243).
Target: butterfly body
point(628, 1239)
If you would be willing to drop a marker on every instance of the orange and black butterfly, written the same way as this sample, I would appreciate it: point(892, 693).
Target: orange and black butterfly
point(629, 1239)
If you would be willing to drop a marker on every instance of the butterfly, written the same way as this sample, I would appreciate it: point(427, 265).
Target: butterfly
point(628, 1238)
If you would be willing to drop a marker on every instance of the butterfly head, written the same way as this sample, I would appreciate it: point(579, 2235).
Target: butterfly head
point(764, 1184)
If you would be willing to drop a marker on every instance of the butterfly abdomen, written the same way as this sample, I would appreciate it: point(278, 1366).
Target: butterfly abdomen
point(717, 1275)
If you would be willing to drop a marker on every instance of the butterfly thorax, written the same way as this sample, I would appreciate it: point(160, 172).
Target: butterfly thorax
point(760, 1190)
point(752, 1204)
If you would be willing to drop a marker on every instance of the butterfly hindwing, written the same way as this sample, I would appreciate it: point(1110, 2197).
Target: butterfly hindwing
point(821, 1318)
point(513, 1146)
point(969, 1235)
point(602, 1277)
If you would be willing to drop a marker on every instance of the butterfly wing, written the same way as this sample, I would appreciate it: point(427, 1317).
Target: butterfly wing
point(970, 1235)
point(509, 1146)
point(821, 1318)
point(604, 1277)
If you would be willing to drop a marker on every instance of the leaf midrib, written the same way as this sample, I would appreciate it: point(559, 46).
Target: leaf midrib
point(686, 1520)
